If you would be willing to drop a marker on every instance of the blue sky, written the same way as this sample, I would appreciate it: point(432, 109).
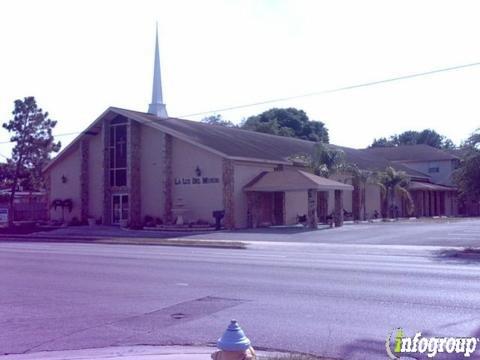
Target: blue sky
point(79, 57)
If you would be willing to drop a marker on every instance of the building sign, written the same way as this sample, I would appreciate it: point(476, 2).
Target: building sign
point(196, 180)
point(3, 215)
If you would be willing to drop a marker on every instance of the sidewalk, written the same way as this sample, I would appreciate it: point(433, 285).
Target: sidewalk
point(127, 353)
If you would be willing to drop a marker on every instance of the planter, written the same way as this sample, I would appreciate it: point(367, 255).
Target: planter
point(91, 221)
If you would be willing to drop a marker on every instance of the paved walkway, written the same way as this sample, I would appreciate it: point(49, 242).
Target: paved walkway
point(127, 353)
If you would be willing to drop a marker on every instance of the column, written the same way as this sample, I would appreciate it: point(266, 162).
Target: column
point(84, 147)
point(228, 194)
point(107, 190)
point(432, 203)
point(133, 166)
point(439, 203)
point(312, 209)
point(338, 208)
point(167, 157)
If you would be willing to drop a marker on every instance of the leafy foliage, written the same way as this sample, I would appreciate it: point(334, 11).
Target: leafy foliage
point(289, 122)
point(323, 161)
point(218, 120)
point(31, 132)
point(467, 175)
point(427, 137)
point(393, 182)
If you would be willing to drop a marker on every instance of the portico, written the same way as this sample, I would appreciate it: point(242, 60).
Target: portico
point(268, 200)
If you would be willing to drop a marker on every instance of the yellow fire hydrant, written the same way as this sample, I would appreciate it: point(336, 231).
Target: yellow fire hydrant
point(234, 345)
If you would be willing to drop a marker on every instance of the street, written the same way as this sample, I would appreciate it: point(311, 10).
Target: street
point(338, 299)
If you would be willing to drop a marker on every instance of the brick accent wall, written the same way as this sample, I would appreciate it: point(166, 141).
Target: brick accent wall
point(338, 213)
point(107, 190)
point(312, 221)
point(167, 158)
point(84, 177)
point(228, 193)
point(133, 173)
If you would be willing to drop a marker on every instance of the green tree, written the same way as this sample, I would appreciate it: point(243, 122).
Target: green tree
point(31, 132)
point(217, 119)
point(392, 183)
point(467, 175)
point(428, 137)
point(288, 122)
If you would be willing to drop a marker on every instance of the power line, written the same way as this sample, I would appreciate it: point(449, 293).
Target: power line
point(316, 93)
point(350, 87)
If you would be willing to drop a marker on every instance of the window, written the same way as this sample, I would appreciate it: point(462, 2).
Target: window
point(118, 154)
point(433, 168)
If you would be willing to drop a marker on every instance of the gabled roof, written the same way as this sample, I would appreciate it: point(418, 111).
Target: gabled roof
point(411, 153)
point(238, 144)
point(292, 180)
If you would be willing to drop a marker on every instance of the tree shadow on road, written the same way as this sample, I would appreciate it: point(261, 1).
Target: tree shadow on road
point(465, 256)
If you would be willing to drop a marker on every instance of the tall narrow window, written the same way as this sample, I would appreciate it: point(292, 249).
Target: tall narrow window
point(118, 154)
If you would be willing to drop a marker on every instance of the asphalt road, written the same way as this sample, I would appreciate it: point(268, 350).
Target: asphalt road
point(339, 300)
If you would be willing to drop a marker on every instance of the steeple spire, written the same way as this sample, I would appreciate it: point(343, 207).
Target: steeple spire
point(157, 107)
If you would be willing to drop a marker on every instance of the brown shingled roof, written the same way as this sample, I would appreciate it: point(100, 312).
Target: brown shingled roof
point(292, 180)
point(242, 144)
point(406, 153)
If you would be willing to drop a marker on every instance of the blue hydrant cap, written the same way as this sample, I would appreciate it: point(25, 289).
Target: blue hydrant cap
point(233, 339)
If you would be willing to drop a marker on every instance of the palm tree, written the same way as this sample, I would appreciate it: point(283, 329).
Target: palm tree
point(323, 161)
point(393, 182)
point(360, 179)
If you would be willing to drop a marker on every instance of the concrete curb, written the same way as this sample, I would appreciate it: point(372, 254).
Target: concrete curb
point(109, 240)
point(129, 353)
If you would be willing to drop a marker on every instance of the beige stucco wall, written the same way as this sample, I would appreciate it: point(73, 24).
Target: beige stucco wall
point(200, 199)
point(296, 203)
point(444, 176)
point(70, 168)
point(245, 172)
point(152, 172)
point(95, 176)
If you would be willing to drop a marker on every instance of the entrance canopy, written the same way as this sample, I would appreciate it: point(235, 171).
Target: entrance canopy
point(293, 180)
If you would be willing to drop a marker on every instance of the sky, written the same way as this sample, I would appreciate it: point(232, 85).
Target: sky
point(80, 57)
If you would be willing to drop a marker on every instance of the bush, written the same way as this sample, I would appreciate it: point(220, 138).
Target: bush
point(74, 222)
point(148, 221)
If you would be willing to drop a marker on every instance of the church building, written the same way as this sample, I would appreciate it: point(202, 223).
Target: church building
point(129, 165)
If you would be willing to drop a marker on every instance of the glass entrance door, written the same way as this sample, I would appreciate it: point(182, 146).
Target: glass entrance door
point(119, 208)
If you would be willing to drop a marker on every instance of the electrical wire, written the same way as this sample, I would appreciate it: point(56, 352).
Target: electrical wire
point(316, 93)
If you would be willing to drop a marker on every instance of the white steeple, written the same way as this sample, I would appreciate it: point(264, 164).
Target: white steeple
point(157, 107)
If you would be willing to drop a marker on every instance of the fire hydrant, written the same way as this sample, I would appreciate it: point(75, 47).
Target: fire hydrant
point(234, 345)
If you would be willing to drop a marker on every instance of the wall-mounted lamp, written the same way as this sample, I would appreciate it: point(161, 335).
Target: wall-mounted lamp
point(198, 171)
point(64, 179)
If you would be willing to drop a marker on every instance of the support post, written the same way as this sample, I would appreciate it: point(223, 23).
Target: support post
point(312, 209)
point(134, 174)
point(228, 194)
point(167, 177)
point(84, 195)
point(338, 208)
